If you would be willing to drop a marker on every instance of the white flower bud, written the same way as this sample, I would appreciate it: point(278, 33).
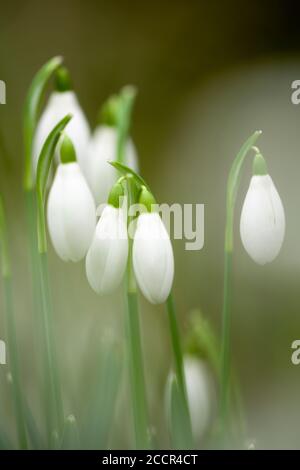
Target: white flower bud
point(107, 257)
point(262, 224)
point(71, 213)
point(60, 104)
point(101, 175)
point(153, 259)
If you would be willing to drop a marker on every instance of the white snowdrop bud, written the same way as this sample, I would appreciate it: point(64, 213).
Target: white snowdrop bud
point(153, 259)
point(262, 224)
point(102, 148)
point(71, 212)
point(62, 102)
point(107, 257)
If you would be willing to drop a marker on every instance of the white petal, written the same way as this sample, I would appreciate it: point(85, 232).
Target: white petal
point(60, 104)
point(153, 258)
point(102, 148)
point(107, 257)
point(199, 393)
point(262, 224)
point(71, 213)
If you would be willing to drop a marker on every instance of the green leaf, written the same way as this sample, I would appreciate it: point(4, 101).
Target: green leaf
point(44, 163)
point(179, 423)
point(125, 170)
point(31, 112)
point(102, 402)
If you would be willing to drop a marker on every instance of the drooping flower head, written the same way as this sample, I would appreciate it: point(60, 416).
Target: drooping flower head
point(262, 224)
point(61, 102)
point(107, 256)
point(71, 210)
point(103, 147)
point(153, 259)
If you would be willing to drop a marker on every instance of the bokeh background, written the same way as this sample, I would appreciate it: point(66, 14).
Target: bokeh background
point(208, 75)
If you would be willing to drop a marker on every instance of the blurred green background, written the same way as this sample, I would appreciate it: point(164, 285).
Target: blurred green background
point(208, 75)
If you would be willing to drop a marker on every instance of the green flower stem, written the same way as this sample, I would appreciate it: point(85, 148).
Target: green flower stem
point(175, 337)
point(55, 416)
point(11, 334)
point(126, 98)
point(179, 366)
point(232, 188)
point(54, 405)
point(138, 389)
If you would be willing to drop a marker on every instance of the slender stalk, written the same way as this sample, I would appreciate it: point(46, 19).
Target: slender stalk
point(175, 337)
point(138, 389)
point(225, 346)
point(14, 364)
point(11, 333)
point(55, 413)
point(232, 189)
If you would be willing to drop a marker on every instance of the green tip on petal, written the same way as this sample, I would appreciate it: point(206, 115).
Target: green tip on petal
point(67, 150)
point(259, 165)
point(108, 114)
point(147, 199)
point(63, 80)
point(115, 194)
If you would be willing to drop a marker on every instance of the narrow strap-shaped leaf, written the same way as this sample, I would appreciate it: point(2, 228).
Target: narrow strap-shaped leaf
point(179, 423)
point(102, 402)
point(44, 163)
point(31, 111)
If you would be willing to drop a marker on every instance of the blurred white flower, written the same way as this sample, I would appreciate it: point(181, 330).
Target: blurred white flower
point(153, 259)
point(102, 147)
point(71, 213)
point(262, 224)
point(201, 395)
point(107, 256)
point(61, 103)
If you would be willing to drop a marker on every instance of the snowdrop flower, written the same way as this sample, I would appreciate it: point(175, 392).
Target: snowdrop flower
point(262, 224)
point(201, 394)
point(107, 257)
point(71, 210)
point(61, 102)
point(102, 147)
point(153, 259)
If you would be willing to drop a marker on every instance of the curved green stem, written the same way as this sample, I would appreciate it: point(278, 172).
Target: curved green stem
point(11, 333)
point(232, 189)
